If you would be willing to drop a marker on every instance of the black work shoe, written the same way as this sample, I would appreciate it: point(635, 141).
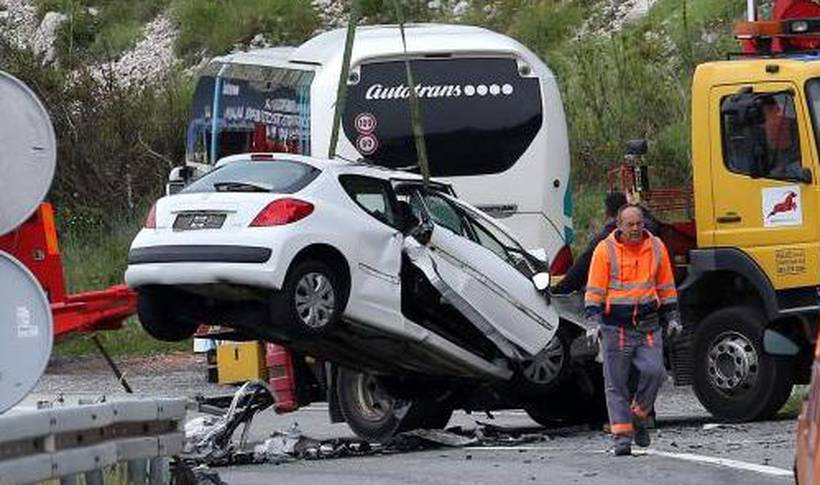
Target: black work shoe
point(623, 449)
point(641, 432)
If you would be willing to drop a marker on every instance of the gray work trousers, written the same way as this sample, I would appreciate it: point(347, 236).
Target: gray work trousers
point(627, 350)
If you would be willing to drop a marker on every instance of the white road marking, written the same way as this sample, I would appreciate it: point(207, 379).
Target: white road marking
point(516, 448)
point(740, 465)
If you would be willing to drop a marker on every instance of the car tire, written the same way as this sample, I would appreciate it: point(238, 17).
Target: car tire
point(548, 370)
point(581, 400)
point(311, 300)
point(734, 378)
point(159, 314)
point(375, 415)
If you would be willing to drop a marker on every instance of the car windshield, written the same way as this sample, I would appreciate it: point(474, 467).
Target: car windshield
point(279, 176)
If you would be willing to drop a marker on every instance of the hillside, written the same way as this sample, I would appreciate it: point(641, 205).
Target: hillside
point(117, 75)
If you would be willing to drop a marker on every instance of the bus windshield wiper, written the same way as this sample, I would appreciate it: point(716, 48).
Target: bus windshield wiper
point(241, 187)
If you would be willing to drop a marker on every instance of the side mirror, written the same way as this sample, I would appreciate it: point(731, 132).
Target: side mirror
point(541, 281)
point(422, 232)
point(178, 179)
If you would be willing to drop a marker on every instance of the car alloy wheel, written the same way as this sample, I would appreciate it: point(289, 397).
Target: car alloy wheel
point(315, 300)
point(547, 365)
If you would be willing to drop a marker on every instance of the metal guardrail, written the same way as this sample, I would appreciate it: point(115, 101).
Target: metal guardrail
point(68, 442)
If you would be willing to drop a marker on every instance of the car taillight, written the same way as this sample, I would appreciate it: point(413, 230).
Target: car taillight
point(151, 220)
point(282, 211)
point(561, 262)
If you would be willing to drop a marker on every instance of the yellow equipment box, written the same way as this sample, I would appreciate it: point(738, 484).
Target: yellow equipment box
point(238, 362)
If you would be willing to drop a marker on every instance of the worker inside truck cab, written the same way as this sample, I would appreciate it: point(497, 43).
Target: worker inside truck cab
point(782, 159)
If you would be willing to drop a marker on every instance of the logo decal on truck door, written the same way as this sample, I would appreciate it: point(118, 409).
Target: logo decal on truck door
point(782, 206)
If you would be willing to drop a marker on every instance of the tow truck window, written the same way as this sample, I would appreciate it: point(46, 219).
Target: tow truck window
point(760, 136)
point(813, 92)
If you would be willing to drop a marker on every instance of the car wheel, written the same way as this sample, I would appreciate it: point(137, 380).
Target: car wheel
point(159, 314)
point(310, 302)
point(734, 378)
point(375, 415)
point(547, 370)
point(581, 400)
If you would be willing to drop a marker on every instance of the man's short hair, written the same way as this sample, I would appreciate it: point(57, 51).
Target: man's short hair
point(613, 202)
point(624, 207)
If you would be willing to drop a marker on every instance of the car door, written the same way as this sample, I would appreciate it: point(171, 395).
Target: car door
point(376, 290)
point(488, 270)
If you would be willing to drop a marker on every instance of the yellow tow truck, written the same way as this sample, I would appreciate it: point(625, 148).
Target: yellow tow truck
point(748, 262)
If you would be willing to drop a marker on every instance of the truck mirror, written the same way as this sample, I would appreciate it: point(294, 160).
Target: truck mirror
point(805, 176)
point(637, 146)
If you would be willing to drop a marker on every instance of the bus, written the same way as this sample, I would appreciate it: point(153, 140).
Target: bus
point(491, 113)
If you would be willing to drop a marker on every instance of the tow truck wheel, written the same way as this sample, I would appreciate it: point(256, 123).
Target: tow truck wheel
point(374, 415)
point(310, 301)
point(734, 378)
point(159, 314)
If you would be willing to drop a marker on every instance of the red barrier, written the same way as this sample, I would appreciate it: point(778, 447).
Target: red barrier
point(36, 245)
point(281, 378)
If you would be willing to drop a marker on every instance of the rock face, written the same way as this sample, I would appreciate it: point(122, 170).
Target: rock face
point(612, 15)
point(43, 40)
point(148, 61)
point(18, 21)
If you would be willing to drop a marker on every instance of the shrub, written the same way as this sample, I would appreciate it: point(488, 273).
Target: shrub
point(215, 26)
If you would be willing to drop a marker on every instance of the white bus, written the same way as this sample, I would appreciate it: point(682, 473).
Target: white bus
point(492, 116)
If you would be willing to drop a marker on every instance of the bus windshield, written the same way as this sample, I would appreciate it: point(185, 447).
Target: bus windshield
point(259, 109)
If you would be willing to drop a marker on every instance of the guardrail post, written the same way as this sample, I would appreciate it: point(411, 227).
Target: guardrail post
point(94, 477)
point(70, 480)
point(158, 471)
point(137, 472)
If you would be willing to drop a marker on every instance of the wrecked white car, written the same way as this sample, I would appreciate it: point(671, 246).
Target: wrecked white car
point(422, 303)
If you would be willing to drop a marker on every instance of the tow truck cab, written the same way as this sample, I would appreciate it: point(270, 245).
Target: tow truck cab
point(748, 261)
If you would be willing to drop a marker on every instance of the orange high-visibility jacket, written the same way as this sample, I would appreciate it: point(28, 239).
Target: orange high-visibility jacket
point(628, 282)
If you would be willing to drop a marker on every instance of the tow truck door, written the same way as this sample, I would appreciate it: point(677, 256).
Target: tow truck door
point(760, 204)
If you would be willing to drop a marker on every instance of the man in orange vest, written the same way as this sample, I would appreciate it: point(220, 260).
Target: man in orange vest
point(630, 291)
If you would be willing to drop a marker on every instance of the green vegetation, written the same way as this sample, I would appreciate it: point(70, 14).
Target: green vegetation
point(794, 405)
point(215, 26)
point(99, 29)
point(131, 340)
point(631, 84)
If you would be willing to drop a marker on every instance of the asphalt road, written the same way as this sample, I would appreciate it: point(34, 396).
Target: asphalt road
point(688, 446)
